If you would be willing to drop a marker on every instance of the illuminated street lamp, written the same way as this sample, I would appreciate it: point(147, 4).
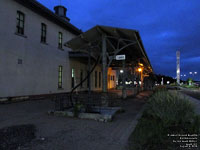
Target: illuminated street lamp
point(139, 69)
point(121, 71)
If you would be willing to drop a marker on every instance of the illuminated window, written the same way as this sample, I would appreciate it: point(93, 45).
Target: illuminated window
point(73, 80)
point(43, 32)
point(20, 22)
point(60, 71)
point(60, 39)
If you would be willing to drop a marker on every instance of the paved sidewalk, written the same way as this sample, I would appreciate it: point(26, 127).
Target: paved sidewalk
point(195, 101)
point(62, 133)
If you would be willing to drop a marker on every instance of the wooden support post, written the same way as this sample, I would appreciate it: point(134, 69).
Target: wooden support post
point(104, 64)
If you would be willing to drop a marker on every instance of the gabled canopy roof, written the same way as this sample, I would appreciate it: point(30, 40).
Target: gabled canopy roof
point(119, 41)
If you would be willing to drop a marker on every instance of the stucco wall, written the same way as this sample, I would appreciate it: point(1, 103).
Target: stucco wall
point(38, 73)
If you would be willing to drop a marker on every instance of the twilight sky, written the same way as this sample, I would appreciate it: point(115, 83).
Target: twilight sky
point(165, 26)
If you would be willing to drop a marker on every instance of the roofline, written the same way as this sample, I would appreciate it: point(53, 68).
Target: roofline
point(48, 14)
point(143, 49)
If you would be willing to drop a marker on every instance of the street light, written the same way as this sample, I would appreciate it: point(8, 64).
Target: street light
point(139, 69)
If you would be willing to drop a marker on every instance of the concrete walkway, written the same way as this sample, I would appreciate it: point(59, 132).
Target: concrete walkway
point(195, 101)
point(62, 133)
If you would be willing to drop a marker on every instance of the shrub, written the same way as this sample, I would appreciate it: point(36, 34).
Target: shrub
point(165, 114)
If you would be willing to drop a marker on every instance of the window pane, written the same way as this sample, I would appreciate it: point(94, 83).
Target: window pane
point(60, 70)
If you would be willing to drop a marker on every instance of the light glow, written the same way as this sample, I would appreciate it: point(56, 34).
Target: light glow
point(140, 69)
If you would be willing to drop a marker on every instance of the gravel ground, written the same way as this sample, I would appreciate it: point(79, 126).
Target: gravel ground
point(61, 133)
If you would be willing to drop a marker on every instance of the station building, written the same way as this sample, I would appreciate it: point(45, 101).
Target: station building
point(38, 56)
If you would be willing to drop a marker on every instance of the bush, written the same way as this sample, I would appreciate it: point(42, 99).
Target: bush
point(165, 114)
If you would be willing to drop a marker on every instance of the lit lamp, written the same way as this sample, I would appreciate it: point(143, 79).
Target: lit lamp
point(139, 69)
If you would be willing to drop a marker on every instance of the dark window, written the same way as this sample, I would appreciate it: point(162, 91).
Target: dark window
point(73, 80)
point(88, 79)
point(20, 22)
point(43, 32)
point(113, 78)
point(99, 79)
point(60, 39)
point(60, 71)
point(81, 78)
point(19, 61)
point(95, 79)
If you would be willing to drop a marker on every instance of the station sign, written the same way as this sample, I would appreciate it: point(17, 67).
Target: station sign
point(120, 57)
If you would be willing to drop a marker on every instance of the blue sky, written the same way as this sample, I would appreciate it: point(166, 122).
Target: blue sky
point(165, 26)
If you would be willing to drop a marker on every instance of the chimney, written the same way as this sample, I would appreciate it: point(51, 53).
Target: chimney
point(61, 12)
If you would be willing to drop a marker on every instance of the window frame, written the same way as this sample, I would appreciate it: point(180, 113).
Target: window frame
point(60, 40)
point(72, 78)
point(43, 33)
point(20, 23)
point(60, 76)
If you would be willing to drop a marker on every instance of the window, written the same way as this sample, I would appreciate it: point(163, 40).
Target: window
point(88, 79)
point(95, 79)
point(60, 71)
point(99, 79)
point(43, 32)
point(73, 80)
point(60, 38)
point(113, 78)
point(20, 22)
point(81, 78)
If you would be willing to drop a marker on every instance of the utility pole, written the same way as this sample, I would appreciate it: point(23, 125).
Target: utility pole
point(178, 66)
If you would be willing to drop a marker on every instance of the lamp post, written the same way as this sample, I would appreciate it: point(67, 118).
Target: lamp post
point(140, 70)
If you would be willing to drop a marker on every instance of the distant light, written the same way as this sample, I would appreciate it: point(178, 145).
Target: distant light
point(121, 71)
point(181, 75)
point(184, 75)
point(190, 72)
point(168, 82)
point(195, 72)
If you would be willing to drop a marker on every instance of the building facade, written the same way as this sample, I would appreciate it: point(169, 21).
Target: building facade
point(33, 58)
